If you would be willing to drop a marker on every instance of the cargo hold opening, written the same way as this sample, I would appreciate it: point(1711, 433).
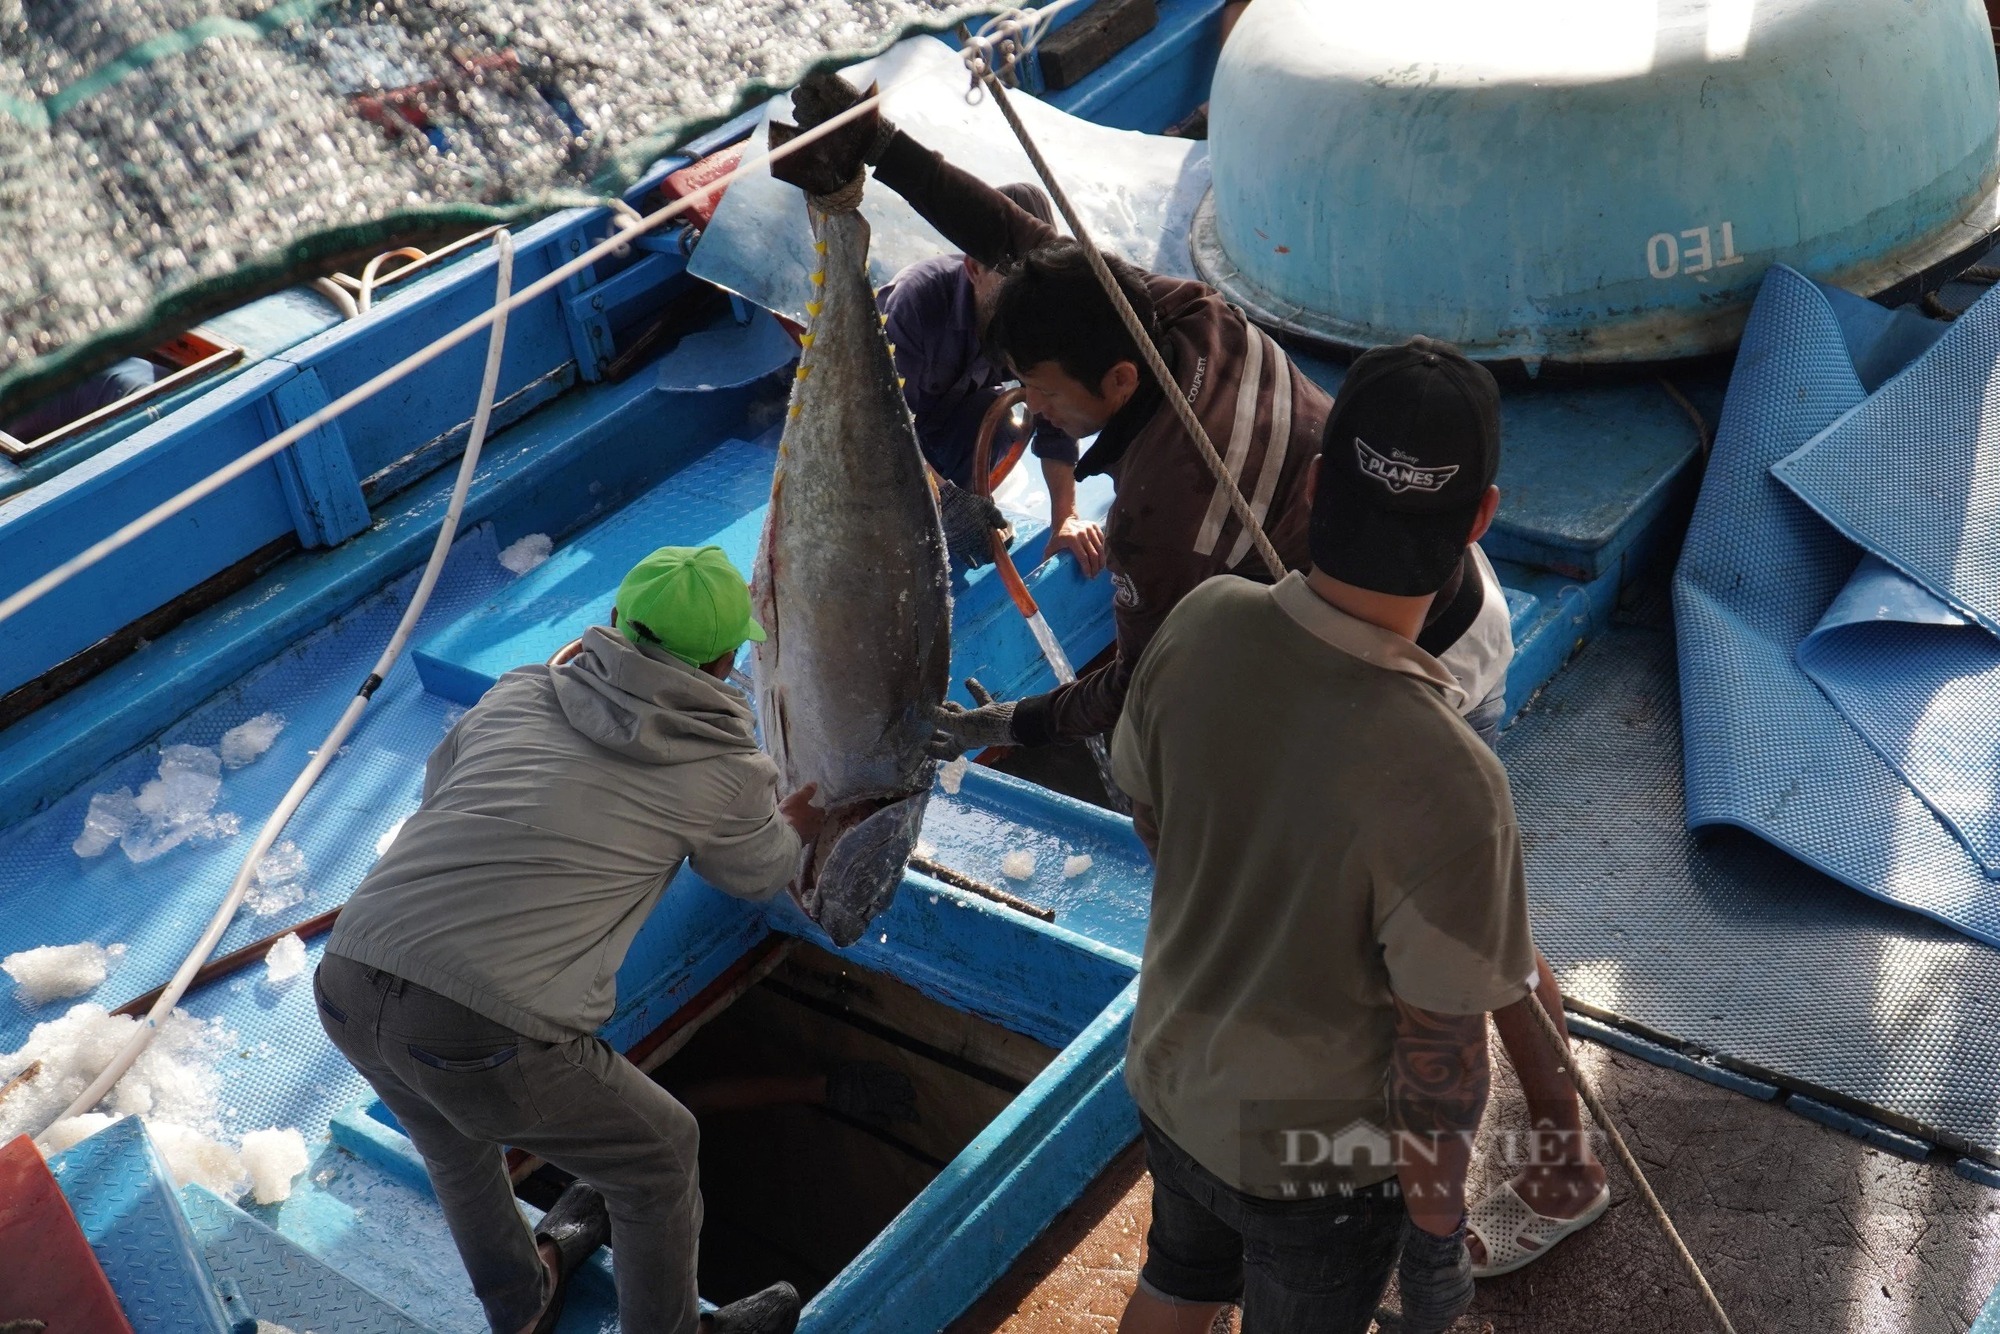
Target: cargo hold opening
point(796, 1189)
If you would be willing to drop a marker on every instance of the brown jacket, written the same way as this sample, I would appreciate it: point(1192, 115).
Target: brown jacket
point(1168, 528)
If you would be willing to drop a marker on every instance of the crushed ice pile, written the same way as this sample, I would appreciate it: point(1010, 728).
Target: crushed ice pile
point(247, 740)
point(175, 1085)
point(1076, 866)
point(285, 960)
point(273, 1158)
point(1018, 864)
point(280, 882)
point(53, 972)
point(524, 555)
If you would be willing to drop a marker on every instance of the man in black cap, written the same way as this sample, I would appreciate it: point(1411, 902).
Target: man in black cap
point(1339, 897)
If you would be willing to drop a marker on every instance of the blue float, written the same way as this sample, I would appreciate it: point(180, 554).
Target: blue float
point(1585, 182)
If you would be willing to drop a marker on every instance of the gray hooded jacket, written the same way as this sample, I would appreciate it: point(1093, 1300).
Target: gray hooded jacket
point(554, 814)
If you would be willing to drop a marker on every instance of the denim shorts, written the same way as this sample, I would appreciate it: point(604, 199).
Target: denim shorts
point(1313, 1266)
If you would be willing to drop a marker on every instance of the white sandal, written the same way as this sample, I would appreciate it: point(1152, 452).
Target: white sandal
point(1503, 1221)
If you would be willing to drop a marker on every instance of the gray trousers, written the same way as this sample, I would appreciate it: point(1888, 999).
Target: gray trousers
point(463, 1085)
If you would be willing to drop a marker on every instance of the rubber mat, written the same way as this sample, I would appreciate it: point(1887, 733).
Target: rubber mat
point(1714, 939)
point(1913, 474)
point(1921, 683)
point(51, 896)
point(1767, 750)
point(119, 1189)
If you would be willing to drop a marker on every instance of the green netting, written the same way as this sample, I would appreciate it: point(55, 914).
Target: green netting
point(163, 159)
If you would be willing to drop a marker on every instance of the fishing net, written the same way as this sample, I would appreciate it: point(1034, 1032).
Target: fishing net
point(163, 159)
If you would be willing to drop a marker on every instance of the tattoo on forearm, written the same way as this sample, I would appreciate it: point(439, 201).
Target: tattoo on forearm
point(1438, 1074)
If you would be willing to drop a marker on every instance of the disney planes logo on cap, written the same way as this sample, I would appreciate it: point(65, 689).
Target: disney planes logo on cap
point(1402, 473)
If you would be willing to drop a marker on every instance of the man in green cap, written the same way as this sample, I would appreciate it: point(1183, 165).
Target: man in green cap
point(472, 969)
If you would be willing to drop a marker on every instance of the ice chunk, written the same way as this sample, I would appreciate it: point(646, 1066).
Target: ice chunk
point(280, 880)
point(524, 555)
point(52, 972)
point(190, 780)
point(952, 774)
point(285, 960)
point(197, 1159)
point(247, 740)
point(1075, 866)
point(175, 1079)
point(109, 816)
point(178, 804)
point(74, 1130)
point(273, 1158)
point(1018, 864)
point(382, 843)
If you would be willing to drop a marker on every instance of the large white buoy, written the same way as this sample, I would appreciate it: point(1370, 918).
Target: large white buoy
point(1588, 180)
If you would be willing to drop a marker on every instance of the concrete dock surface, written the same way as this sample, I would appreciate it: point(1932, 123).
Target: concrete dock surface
point(1798, 1227)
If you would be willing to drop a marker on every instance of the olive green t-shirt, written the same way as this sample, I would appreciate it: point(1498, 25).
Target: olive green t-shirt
point(1330, 832)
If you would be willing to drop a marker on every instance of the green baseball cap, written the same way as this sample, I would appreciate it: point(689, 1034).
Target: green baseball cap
point(689, 601)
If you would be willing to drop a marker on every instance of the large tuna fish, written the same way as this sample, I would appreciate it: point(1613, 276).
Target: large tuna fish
point(852, 588)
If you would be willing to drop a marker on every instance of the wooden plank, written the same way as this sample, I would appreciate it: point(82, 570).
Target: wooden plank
point(1087, 42)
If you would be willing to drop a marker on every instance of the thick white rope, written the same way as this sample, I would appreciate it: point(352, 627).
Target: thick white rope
point(246, 875)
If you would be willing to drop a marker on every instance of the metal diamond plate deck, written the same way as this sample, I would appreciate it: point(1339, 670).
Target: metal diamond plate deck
point(281, 1283)
point(121, 1194)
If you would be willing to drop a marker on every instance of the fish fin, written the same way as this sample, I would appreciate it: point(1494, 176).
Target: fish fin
point(859, 873)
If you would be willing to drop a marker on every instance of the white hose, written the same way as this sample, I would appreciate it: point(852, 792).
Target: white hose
point(503, 245)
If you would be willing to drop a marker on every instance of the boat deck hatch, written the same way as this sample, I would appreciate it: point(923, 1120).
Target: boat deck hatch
point(794, 1189)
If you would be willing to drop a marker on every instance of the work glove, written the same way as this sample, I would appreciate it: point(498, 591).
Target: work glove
point(828, 165)
point(1435, 1275)
point(872, 1092)
point(959, 729)
point(969, 520)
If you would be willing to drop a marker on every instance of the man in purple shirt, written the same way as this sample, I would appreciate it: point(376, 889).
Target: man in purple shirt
point(937, 311)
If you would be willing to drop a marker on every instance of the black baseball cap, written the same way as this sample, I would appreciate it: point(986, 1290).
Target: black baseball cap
point(1411, 445)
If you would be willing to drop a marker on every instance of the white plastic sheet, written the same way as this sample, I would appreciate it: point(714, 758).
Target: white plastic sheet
point(1137, 192)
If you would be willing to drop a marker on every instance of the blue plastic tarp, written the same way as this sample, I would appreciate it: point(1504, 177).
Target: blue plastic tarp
point(1839, 595)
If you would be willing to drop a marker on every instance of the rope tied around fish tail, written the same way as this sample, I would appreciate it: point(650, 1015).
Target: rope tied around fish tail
point(844, 200)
